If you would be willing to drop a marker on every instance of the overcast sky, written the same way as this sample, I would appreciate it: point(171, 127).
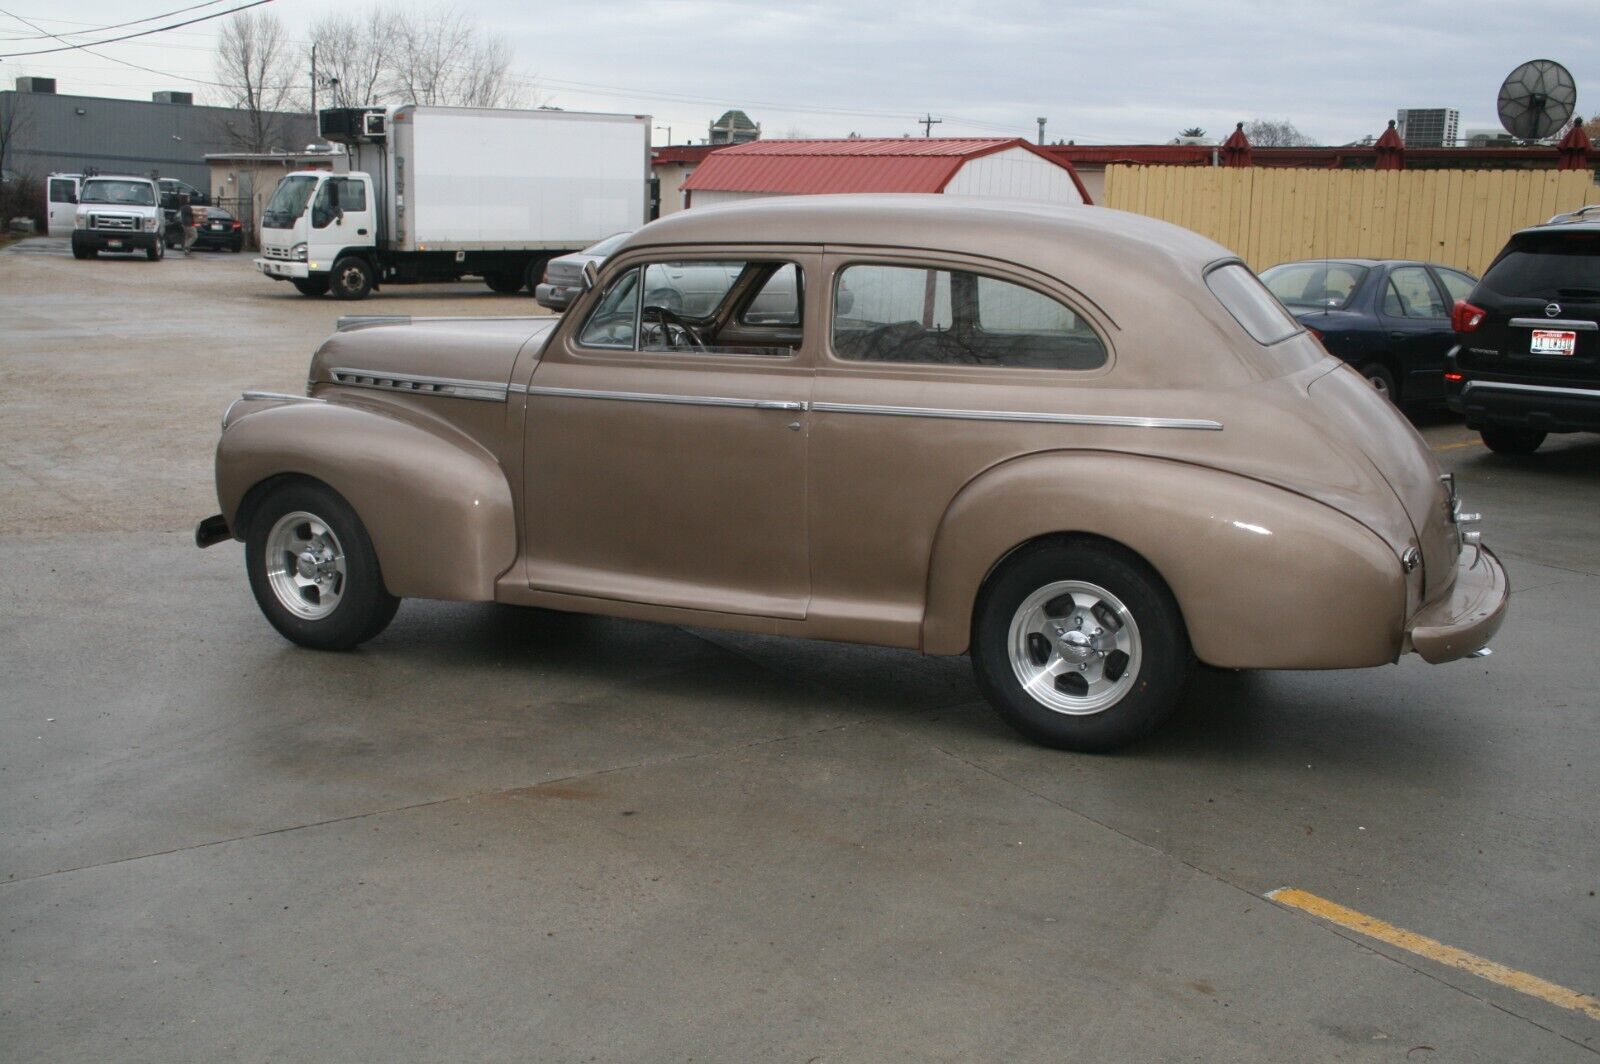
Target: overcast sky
point(1101, 73)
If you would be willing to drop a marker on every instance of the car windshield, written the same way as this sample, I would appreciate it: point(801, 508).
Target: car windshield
point(1325, 285)
point(288, 202)
point(128, 193)
point(605, 247)
point(1548, 266)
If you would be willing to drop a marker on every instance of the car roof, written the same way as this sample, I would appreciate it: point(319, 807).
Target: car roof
point(1590, 224)
point(1345, 261)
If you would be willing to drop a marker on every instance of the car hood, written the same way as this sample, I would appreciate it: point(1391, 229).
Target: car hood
point(481, 350)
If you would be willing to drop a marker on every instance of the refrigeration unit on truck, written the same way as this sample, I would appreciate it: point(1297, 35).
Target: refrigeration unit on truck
point(442, 193)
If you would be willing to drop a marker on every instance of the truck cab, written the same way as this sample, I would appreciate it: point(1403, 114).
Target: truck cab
point(319, 232)
point(118, 214)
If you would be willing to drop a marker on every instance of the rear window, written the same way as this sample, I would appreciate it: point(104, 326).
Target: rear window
point(1326, 285)
point(1248, 300)
point(1548, 266)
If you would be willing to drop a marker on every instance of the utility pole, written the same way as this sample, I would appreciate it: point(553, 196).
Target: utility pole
point(669, 134)
point(927, 123)
point(314, 85)
point(1041, 122)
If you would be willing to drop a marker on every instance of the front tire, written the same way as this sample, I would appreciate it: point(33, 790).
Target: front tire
point(311, 286)
point(352, 278)
point(313, 569)
point(156, 252)
point(1079, 645)
point(1512, 441)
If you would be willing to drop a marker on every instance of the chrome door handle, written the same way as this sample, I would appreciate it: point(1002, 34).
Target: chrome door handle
point(778, 404)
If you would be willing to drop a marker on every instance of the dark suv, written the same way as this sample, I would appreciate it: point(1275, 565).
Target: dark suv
point(1527, 360)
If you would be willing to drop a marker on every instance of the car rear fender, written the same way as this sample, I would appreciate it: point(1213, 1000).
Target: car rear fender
point(436, 503)
point(1265, 578)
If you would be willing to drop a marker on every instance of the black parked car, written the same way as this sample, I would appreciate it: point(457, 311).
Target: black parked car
point(1389, 318)
point(219, 230)
point(1528, 362)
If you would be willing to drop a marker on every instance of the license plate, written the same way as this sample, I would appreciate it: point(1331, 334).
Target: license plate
point(1553, 342)
point(217, 225)
point(113, 243)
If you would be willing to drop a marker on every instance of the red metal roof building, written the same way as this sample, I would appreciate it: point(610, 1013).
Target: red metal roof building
point(988, 166)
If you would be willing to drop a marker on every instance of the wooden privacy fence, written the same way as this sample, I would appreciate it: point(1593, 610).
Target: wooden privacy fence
point(1459, 218)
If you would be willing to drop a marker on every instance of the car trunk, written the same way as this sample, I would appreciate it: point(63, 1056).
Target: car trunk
point(1345, 406)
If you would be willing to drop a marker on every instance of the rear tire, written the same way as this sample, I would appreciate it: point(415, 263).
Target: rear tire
point(313, 569)
point(507, 284)
point(1382, 381)
point(1078, 644)
point(351, 279)
point(311, 286)
point(1512, 441)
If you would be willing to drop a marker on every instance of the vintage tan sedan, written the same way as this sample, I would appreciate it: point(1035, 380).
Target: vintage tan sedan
point(1085, 447)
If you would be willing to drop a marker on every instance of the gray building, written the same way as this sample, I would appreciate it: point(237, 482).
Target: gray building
point(1428, 127)
point(46, 132)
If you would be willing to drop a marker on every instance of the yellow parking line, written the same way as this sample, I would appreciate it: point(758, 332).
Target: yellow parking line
point(1458, 446)
point(1423, 946)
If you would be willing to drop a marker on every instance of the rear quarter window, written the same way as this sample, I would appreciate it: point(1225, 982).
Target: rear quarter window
point(1252, 306)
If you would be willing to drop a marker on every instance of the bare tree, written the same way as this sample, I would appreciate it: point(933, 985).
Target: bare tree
point(354, 55)
point(16, 122)
point(1193, 131)
point(1275, 133)
point(257, 70)
point(442, 58)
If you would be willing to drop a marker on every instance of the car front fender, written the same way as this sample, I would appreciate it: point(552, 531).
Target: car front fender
point(1264, 578)
point(436, 504)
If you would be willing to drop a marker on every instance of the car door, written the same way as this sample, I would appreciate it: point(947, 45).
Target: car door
point(1416, 316)
point(341, 217)
point(63, 206)
point(661, 472)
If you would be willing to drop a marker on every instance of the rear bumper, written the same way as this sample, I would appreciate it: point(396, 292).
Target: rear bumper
point(282, 270)
point(113, 240)
point(555, 296)
point(1464, 621)
point(1544, 408)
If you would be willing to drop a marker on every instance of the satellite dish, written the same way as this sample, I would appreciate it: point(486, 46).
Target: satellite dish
point(1537, 99)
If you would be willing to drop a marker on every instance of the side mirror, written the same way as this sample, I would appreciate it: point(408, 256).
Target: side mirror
point(591, 274)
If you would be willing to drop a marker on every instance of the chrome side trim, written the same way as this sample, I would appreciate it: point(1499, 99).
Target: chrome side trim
point(227, 415)
point(417, 384)
point(678, 400)
point(1554, 323)
point(356, 321)
point(1538, 389)
point(1114, 420)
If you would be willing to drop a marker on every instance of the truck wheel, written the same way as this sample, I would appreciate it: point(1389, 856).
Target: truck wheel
point(1079, 645)
point(352, 278)
point(507, 284)
point(1512, 441)
point(80, 253)
point(155, 252)
point(311, 286)
point(313, 570)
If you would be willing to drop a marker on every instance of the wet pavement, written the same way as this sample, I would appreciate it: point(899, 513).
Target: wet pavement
point(497, 834)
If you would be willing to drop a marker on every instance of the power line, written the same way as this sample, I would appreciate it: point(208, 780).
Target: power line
point(46, 35)
point(130, 36)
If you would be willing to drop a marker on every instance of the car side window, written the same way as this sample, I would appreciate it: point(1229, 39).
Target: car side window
point(63, 192)
point(1412, 295)
point(678, 306)
point(352, 197)
point(1456, 285)
point(956, 317)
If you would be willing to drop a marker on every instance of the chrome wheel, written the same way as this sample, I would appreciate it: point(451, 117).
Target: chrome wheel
point(305, 565)
point(1074, 647)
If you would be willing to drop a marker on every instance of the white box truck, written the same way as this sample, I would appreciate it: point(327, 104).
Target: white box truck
point(442, 193)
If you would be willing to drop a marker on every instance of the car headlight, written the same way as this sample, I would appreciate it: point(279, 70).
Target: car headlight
point(150, 224)
point(80, 221)
point(298, 253)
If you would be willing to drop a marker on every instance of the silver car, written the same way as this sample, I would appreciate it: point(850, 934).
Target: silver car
point(563, 277)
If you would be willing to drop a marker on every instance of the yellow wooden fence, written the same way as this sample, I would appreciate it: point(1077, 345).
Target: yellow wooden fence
point(1269, 215)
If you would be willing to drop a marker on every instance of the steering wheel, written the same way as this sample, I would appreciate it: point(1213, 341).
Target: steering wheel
point(673, 328)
